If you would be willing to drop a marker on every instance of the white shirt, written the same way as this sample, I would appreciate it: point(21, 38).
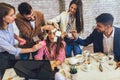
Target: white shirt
point(108, 43)
point(32, 24)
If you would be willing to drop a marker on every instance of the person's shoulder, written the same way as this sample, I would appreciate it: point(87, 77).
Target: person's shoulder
point(115, 27)
point(64, 12)
point(95, 30)
point(38, 14)
point(42, 42)
point(19, 17)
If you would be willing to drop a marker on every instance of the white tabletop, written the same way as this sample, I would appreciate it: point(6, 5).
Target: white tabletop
point(91, 71)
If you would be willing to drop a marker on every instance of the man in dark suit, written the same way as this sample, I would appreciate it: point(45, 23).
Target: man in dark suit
point(105, 37)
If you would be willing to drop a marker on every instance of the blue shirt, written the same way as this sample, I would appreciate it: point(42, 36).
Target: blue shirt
point(7, 41)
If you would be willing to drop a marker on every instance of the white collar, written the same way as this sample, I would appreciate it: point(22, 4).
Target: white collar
point(112, 34)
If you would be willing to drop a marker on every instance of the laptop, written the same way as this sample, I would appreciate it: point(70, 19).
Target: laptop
point(33, 69)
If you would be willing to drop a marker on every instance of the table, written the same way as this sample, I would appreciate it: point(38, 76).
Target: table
point(89, 70)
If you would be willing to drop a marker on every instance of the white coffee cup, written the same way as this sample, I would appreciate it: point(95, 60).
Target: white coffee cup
point(73, 61)
point(59, 76)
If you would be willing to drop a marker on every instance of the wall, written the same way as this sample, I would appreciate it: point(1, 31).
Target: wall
point(50, 8)
point(92, 8)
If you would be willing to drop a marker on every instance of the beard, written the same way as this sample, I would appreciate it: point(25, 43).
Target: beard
point(30, 19)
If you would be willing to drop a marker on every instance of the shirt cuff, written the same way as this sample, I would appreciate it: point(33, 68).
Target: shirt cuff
point(18, 51)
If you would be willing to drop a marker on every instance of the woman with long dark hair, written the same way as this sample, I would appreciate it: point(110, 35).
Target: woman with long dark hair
point(53, 49)
point(68, 21)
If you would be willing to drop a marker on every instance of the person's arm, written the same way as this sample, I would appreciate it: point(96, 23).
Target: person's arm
point(74, 34)
point(47, 27)
point(77, 39)
point(6, 46)
point(21, 40)
point(34, 48)
point(41, 32)
point(60, 58)
point(42, 27)
point(63, 35)
point(87, 41)
point(55, 64)
point(39, 55)
point(55, 24)
point(56, 20)
point(27, 50)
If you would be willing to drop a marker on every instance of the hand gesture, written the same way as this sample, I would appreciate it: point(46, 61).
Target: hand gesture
point(36, 47)
point(74, 33)
point(22, 41)
point(64, 34)
point(117, 65)
point(56, 25)
point(48, 27)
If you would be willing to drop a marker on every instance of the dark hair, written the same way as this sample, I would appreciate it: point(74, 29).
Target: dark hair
point(4, 11)
point(105, 18)
point(78, 15)
point(58, 44)
point(24, 8)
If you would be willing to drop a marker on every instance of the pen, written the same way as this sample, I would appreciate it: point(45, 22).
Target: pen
point(100, 67)
point(117, 67)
